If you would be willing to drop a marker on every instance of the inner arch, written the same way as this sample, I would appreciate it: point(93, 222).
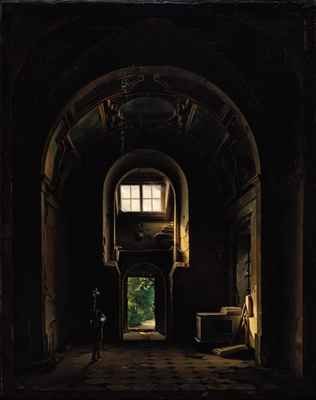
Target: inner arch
point(162, 164)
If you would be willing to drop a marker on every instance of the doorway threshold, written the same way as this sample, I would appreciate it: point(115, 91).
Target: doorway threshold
point(151, 336)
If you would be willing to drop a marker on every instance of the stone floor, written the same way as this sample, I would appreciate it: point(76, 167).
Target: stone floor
point(158, 371)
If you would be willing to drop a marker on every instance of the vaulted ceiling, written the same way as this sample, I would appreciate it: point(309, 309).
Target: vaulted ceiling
point(154, 107)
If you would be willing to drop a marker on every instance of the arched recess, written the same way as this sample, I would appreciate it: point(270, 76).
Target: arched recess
point(204, 119)
point(168, 215)
point(165, 165)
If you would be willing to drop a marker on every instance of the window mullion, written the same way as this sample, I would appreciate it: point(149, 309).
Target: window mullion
point(141, 197)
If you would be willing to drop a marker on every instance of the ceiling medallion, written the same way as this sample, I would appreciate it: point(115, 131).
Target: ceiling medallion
point(147, 109)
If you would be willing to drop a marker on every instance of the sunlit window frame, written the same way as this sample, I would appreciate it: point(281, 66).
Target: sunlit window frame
point(140, 185)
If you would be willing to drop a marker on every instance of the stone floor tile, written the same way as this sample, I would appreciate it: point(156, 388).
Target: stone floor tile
point(131, 369)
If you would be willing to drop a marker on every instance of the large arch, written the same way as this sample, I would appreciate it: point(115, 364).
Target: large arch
point(199, 106)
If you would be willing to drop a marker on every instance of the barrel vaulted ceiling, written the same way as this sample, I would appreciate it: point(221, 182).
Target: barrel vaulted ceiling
point(142, 106)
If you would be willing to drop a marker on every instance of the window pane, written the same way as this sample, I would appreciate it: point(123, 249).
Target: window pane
point(147, 191)
point(125, 192)
point(156, 190)
point(131, 198)
point(147, 205)
point(125, 205)
point(156, 205)
point(135, 205)
point(135, 191)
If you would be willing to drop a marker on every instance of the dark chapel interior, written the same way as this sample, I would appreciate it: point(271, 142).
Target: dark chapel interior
point(171, 141)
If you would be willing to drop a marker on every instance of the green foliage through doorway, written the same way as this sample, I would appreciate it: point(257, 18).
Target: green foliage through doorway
point(140, 300)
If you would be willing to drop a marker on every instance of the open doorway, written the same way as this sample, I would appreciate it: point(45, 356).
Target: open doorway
point(141, 303)
point(144, 303)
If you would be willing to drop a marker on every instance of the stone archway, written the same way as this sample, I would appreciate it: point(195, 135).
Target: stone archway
point(161, 164)
point(97, 109)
